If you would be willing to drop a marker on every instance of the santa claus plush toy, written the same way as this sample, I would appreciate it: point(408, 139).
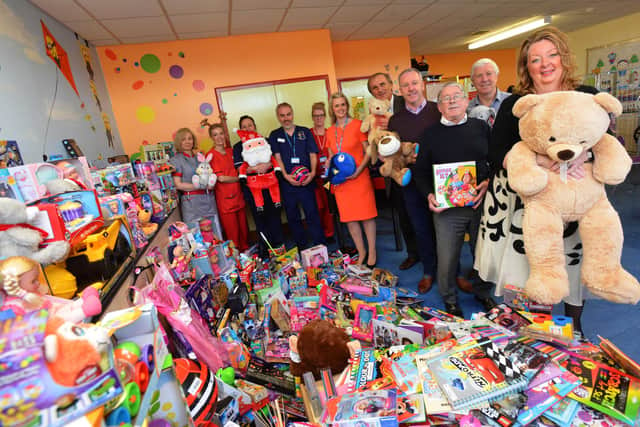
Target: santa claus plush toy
point(257, 151)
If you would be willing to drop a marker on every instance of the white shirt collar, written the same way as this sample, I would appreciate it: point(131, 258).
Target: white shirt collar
point(449, 123)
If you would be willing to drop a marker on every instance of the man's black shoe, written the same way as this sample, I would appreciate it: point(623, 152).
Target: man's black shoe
point(453, 309)
point(408, 263)
point(487, 303)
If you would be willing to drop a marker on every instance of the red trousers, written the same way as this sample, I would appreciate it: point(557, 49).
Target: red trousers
point(326, 218)
point(234, 225)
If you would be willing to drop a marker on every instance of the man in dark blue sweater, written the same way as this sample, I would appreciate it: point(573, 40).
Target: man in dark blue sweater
point(455, 138)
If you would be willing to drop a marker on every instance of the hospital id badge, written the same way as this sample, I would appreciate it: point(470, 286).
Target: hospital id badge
point(323, 159)
point(295, 160)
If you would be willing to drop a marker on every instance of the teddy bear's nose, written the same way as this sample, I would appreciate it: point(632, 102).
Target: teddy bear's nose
point(565, 155)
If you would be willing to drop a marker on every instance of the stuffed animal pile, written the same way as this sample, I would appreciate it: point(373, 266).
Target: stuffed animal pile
point(563, 125)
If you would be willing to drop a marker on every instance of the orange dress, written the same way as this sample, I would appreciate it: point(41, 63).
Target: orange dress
point(355, 198)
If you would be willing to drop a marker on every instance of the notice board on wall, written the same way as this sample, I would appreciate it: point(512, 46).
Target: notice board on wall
point(615, 57)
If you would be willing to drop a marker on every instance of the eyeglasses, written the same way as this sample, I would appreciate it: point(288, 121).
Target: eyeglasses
point(454, 98)
point(316, 116)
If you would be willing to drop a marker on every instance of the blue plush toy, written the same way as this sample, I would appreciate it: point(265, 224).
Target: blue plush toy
point(342, 166)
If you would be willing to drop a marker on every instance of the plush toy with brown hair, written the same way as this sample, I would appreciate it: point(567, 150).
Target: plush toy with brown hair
point(320, 345)
point(562, 126)
point(378, 113)
point(395, 155)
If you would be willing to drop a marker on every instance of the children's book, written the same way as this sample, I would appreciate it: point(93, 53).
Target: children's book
point(589, 417)
point(10, 154)
point(480, 327)
point(563, 412)
point(543, 395)
point(411, 409)
point(605, 388)
point(455, 184)
point(362, 369)
point(472, 376)
point(371, 408)
point(627, 364)
point(501, 413)
point(528, 359)
point(507, 317)
point(9, 186)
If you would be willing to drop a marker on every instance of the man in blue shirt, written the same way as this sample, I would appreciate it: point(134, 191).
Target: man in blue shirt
point(293, 147)
point(484, 76)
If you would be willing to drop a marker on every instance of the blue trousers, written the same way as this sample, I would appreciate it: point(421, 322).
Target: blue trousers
point(450, 226)
point(294, 197)
point(422, 223)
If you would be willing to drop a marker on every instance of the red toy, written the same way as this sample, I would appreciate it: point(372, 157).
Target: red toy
point(255, 151)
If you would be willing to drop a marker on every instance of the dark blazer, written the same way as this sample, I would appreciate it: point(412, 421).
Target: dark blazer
point(398, 103)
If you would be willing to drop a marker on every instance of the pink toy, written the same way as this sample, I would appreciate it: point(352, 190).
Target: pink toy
point(23, 291)
point(255, 151)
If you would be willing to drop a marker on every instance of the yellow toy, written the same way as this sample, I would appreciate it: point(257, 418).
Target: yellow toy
point(148, 227)
point(562, 126)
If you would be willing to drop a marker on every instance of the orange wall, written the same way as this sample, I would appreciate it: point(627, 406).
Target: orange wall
point(452, 64)
point(151, 105)
point(361, 58)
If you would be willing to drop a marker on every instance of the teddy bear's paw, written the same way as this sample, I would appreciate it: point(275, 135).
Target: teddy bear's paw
point(529, 183)
point(547, 288)
point(622, 288)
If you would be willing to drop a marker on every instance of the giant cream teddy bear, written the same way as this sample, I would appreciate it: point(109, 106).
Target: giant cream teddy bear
point(562, 125)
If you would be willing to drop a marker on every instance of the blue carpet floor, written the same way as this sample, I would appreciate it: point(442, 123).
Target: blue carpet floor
point(616, 322)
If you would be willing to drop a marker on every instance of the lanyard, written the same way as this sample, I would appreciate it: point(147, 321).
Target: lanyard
point(339, 143)
point(292, 145)
point(321, 142)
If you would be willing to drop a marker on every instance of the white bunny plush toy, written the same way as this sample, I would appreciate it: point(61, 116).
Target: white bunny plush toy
point(204, 177)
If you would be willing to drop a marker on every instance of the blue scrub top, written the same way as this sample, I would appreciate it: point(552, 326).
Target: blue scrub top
point(302, 140)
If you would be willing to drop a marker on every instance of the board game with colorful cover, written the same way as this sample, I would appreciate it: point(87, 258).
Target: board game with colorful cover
point(605, 388)
point(371, 408)
point(455, 184)
point(474, 375)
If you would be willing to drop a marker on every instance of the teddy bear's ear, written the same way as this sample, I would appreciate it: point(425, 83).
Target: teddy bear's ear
point(524, 104)
point(609, 103)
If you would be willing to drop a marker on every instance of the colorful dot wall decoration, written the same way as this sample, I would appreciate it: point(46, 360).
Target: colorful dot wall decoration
point(176, 71)
point(150, 63)
point(198, 85)
point(165, 100)
point(206, 108)
point(145, 114)
point(137, 85)
point(110, 54)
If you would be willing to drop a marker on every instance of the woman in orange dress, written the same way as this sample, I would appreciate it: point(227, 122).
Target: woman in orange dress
point(355, 197)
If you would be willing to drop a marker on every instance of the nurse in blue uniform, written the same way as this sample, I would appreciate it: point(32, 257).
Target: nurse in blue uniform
point(294, 146)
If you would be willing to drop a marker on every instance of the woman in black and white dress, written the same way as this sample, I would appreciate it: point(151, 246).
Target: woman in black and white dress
point(545, 65)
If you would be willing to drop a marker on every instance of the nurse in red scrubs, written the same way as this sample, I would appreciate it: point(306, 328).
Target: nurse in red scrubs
point(231, 206)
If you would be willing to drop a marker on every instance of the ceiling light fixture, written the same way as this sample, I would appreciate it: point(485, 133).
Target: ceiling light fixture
point(511, 32)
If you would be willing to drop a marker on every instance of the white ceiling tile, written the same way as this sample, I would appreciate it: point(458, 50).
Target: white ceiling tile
point(138, 27)
point(66, 9)
point(341, 31)
point(314, 3)
point(434, 13)
point(405, 28)
point(308, 15)
point(259, 4)
point(147, 39)
point(366, 2)
point(263, 20)
point(89, 30)
point(373, 30)
point(104, 42)
point(348, 14)
point(113, 9)
point(200, 23)
point(186, 7)
point(298, 27)
point(398, 12)
point(420, 2)
point(202, 35)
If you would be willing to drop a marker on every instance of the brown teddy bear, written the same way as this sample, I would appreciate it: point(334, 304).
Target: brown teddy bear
point(320, 345)
point(378, 114)
point(395, 155)
point(563, 125)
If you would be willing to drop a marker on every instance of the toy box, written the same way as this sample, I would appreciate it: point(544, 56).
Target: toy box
point(139, 326)
point(31, 178)
point(10, 154)
point(516, 298)
point(116, 177)
point(80, 211)
point(373, 408)
point(315, 256)
point(48, 218)
point(112, 205)
point(9, 186)
point(76, 169)
point(28, 393)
